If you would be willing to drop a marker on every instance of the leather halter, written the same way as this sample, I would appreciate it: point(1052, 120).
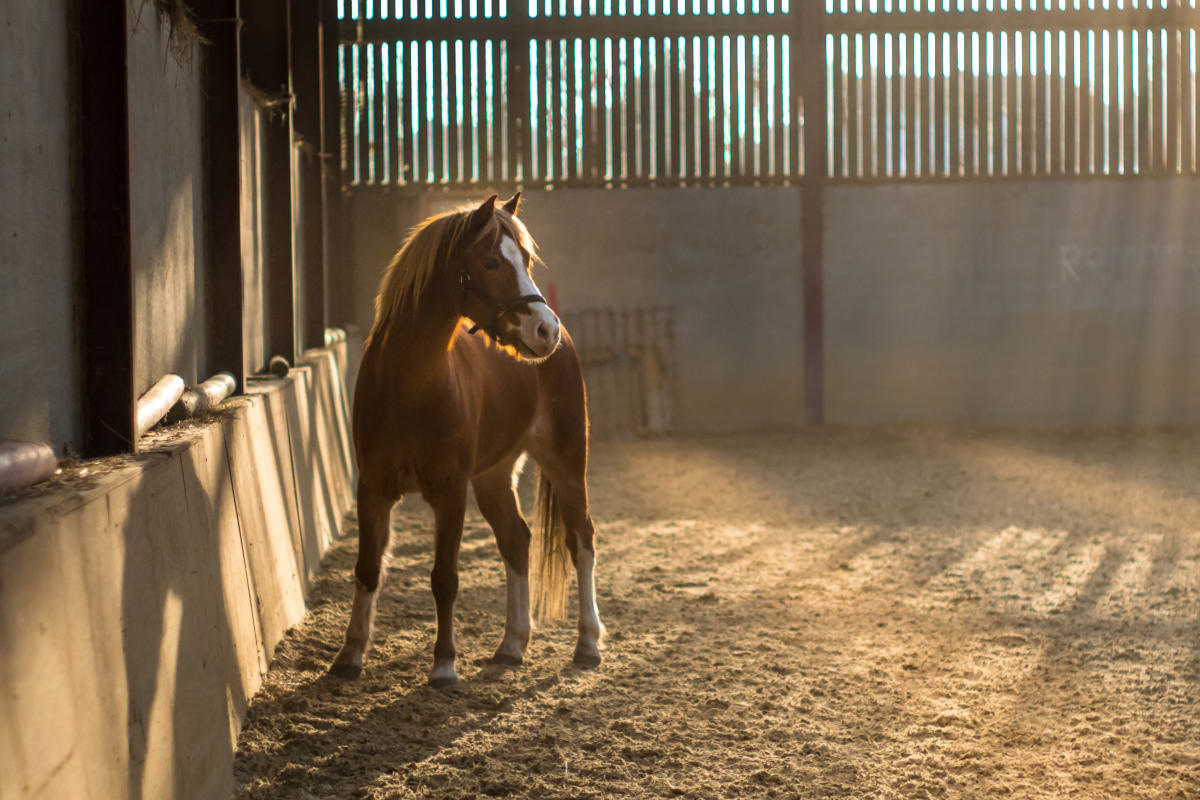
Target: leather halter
point(498, 309)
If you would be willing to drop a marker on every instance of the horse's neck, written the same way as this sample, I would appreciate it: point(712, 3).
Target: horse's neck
point(418, 341)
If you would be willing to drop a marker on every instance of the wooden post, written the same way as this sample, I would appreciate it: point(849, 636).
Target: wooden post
point(339, 295)
point(307, 56)
point(265, 54)
point(218, 20)
point(812, 83)
point(107, 259)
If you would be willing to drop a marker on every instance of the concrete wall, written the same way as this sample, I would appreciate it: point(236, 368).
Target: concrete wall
point(1036, 303)
point(140, 607)
point(40, 257)
point(166, 176)
point(1049, 303)
point(727, 260)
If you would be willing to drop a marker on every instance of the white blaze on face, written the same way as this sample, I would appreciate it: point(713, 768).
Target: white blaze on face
point(539, 328)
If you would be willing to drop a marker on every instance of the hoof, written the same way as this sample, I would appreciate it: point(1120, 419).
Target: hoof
point(586, 659)
point(505, 660)
point(444, 682)
point(346, 672)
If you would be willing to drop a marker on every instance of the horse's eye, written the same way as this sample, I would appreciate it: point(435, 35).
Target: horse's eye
point(491, 263)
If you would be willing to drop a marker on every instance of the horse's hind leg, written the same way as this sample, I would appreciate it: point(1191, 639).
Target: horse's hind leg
point(496, 494)
point(571, 495)
point(566, 476)
point(374, 531)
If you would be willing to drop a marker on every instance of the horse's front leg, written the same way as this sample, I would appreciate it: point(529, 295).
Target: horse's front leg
point(449, 506)
point(374, 530)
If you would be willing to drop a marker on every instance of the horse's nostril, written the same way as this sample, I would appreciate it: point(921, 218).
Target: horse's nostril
point(543, 332)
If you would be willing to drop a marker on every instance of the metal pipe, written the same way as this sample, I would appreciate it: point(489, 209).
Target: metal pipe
point(199, 400)
point(23, 464)
point(334, 336)
point(154, 404)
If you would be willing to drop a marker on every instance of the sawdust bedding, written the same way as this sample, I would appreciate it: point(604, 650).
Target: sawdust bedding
point(889, 613)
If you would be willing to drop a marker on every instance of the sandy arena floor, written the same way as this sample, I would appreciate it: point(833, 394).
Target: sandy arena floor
point(896, 613)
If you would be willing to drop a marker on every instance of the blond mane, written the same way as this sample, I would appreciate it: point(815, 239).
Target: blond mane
point(425, 251)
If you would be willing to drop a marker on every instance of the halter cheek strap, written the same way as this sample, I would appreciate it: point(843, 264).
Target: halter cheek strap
point(498, 309)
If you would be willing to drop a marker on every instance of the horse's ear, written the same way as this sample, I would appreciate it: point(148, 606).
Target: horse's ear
point(513, 204)
point(482, 215)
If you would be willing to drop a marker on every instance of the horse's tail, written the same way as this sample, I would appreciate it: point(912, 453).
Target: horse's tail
point(550, 558)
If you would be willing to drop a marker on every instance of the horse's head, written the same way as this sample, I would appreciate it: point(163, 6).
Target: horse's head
point(498, 292)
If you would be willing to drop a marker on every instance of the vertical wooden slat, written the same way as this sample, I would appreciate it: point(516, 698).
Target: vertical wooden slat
point(764, 139)
point(810, 44)
point(1115, 118)
point(551, 113)
point(379, 122)
point(780, 143)
point(590, 146)
point(880, 87)
point(853, 107)
point(912, 106)
point(1011, 105)
point(723, 112)
point(1174, 74)
point(898, 107)
point(423, 162)
point(1071, 110)
point(572, 127)
point(1189, 102)
point(970, 106)
point(1129, 104)
point(1056, 93)
point(700, 64)
point(439, 131)
point(939, 103)
point(1145, 103)
point(662, 142)
point(1098, 111)
point(956, 109)
point(1029, 108)
point(108, 390)
point(466, 134)
point(644, 83)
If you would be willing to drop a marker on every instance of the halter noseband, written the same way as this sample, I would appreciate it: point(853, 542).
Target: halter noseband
point(498, 309)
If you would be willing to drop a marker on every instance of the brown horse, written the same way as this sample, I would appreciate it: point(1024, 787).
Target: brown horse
point(436, 408)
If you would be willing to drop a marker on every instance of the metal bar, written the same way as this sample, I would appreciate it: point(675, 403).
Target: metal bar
point(912, 93)
point(1129, 106)
point(764, 140)
point(1116, 119)
point(108, 389)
